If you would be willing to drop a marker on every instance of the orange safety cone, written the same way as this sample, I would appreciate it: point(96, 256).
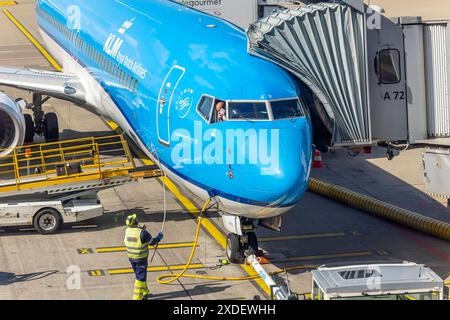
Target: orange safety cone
point(317, 163)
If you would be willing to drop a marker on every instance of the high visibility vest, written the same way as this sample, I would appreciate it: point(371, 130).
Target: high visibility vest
point(135, 248)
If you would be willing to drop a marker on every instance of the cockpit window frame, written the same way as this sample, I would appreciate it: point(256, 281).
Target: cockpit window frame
point(266, 102)
point(300, 101)
point(212, 107)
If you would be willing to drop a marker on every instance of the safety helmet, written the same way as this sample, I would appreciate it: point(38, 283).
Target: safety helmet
point(131, 220)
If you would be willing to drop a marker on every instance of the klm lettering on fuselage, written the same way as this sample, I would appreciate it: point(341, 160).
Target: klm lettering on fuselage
point(112, 48)
point(114, 42)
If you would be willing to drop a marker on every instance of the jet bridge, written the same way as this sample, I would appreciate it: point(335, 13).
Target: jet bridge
point(351, 57)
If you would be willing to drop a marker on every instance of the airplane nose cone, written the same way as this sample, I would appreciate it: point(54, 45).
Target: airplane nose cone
point(295, 163)
point(285, 180)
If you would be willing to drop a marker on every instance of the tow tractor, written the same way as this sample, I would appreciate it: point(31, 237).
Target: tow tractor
point(388, 281)
point(398, 281)
point(46, 185)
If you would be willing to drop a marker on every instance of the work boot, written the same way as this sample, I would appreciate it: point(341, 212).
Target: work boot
point(146, 291)
point(139, 290)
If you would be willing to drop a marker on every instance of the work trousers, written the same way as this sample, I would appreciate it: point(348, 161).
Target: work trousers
point(140, 285)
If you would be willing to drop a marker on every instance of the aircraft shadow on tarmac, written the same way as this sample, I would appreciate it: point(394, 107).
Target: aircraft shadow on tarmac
point(7, 278)
point(343, 236)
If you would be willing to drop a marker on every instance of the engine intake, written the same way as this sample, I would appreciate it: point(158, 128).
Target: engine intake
point(12, 125)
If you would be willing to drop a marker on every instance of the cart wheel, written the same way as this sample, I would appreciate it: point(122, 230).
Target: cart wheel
point(47, 221)
point(29, 128)
point(51, 127)
point(234, 249)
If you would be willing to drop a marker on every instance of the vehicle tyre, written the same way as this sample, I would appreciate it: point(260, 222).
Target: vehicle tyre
point(234, 249)
point(51, 127)
point(47, 221)
point(253, 242)
point(29, 128)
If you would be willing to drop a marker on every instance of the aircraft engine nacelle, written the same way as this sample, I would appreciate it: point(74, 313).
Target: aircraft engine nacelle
point(12, 124)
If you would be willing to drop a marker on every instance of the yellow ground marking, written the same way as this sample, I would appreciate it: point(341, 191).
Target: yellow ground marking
point(306, 236)
point(112, 125)
point(7, 3)
point(33, 40)
point(96, 273)
point(382, 252)
point(85, 251)
point(161, 246)
point(155, 269)
point(330, 256)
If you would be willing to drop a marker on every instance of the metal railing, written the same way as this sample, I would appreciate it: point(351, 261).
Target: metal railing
point(65, 159)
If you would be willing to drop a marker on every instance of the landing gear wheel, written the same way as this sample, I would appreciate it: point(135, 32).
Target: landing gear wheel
point(234, 249)
point(51, 127)
point(47, 221)
point(253, 246)
point(29, 128)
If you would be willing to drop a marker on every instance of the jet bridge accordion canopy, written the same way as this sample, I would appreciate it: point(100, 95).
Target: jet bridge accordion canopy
point(324, 45)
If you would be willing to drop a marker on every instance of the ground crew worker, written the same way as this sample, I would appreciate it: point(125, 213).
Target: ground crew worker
point(137, 240)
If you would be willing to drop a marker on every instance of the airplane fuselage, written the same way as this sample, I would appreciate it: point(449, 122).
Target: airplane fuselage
point(158, 69)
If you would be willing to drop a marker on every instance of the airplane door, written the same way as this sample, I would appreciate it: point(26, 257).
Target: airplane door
point(164, 103)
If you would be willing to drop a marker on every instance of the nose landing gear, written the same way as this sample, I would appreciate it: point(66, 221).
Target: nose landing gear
point(240, 247)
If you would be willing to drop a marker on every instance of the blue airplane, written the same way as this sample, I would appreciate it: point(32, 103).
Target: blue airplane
point(221, 123)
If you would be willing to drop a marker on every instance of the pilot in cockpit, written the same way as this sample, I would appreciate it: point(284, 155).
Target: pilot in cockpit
point(221, 113)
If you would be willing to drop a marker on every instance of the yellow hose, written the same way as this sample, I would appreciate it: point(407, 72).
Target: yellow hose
point(169, 278)
point(175, 277)
point(382, 209)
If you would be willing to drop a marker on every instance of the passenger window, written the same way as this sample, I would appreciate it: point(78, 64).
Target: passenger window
point(389, 66)
point(205, 107)
point(247, 111)
point(287, 109)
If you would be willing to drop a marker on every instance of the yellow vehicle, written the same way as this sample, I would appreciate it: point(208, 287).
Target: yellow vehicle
point(45, 185)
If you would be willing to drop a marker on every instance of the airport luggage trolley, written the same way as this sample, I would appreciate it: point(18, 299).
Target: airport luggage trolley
point(403, 281)
point(46, 185)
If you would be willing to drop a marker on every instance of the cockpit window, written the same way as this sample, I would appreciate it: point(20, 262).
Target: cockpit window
point(286, 109)
point(205, 107)
point(247, 111)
